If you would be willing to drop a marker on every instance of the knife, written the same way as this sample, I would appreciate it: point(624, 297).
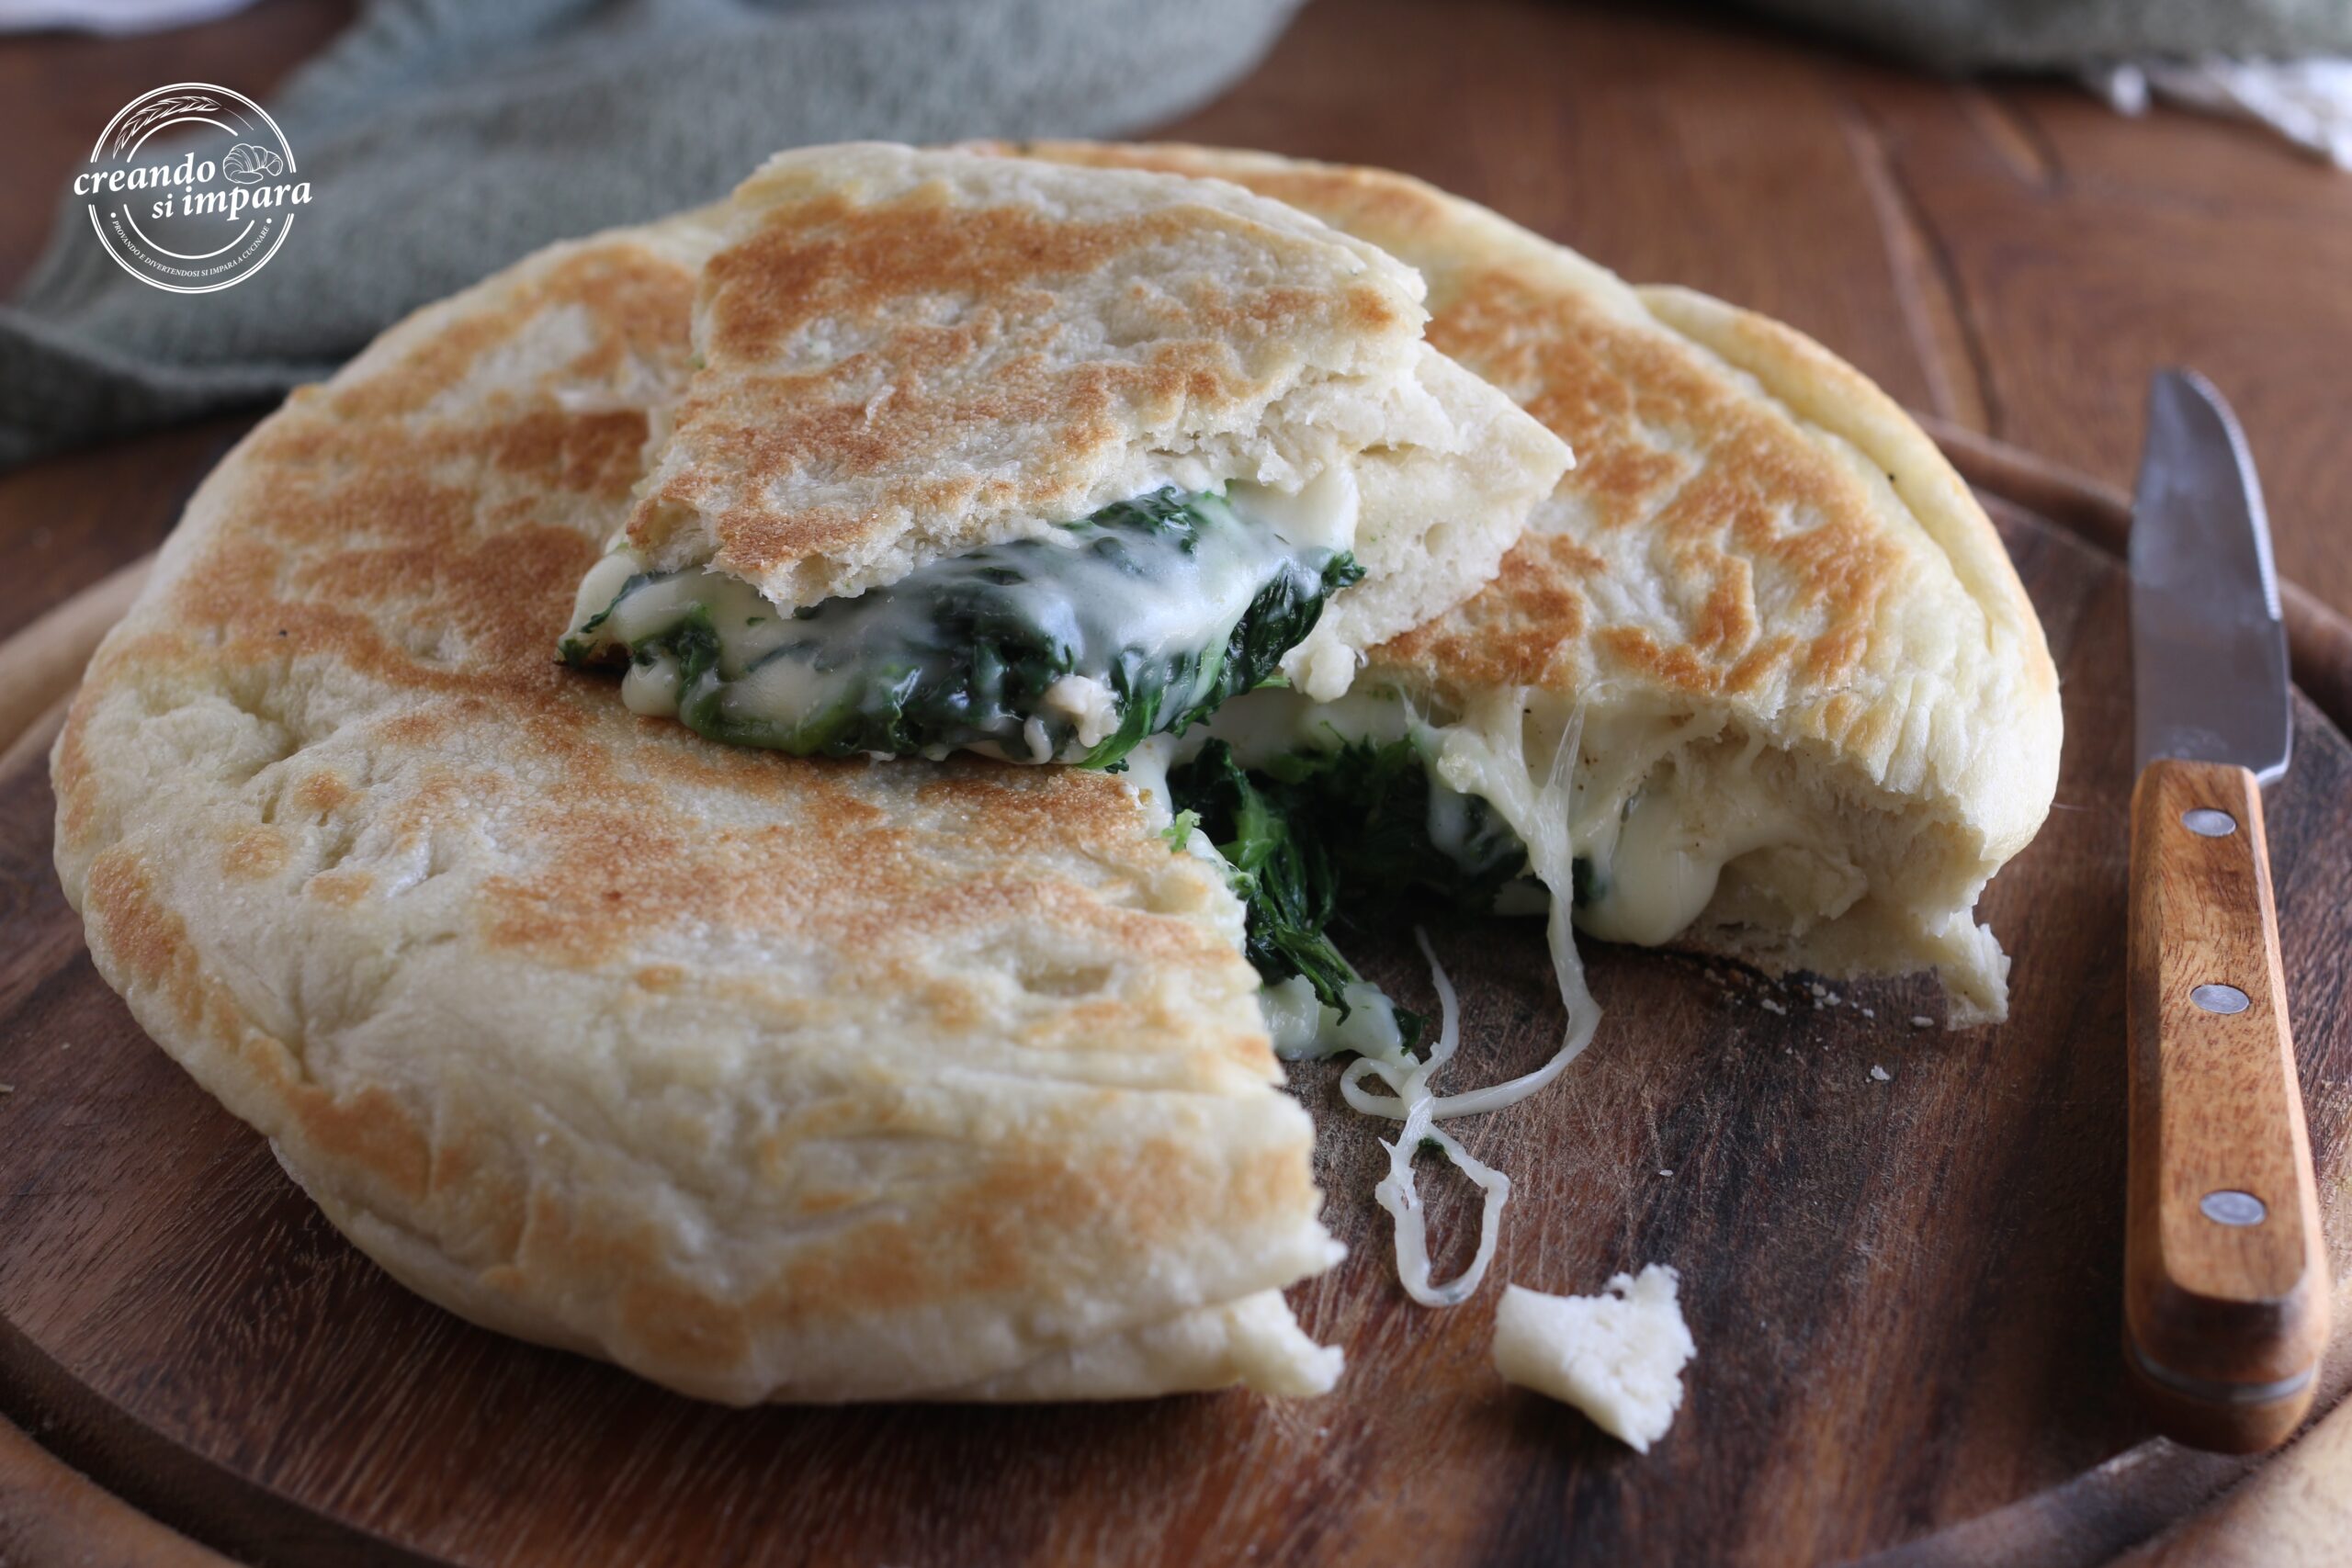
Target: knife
point(2225, 1291)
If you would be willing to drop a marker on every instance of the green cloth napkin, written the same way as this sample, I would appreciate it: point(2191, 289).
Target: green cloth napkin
point(1976, 35)
point(446, 137)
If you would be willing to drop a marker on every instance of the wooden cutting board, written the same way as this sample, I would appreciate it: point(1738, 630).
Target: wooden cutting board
point(1905, 1292)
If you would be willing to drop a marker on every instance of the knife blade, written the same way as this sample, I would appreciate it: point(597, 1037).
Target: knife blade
point(2209, 646)
point(2225, 1273)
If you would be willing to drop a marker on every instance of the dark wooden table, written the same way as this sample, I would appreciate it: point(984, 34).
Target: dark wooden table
point(2008, 255)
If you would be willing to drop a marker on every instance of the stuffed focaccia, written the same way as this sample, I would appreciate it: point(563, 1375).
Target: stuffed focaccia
point(773, 1076)
point(766, 1077)
point(1814, 710)
point(1040, 461)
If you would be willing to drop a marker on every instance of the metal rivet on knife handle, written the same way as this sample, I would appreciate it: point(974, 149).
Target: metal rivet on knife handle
point(2221, 998)
point(2229, 1207)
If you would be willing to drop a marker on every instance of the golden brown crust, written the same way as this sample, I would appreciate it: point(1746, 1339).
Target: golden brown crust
point(1711, 503)
point(1724, 486)
point(905, 353)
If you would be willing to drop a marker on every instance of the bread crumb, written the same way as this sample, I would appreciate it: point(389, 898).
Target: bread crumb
point(1921, 1021)
point(1880, 1073)
point(1769, 1005)
point(1618, 1357)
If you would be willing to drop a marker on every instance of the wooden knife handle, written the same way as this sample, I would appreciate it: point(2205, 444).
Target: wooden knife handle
point(2226, 1294)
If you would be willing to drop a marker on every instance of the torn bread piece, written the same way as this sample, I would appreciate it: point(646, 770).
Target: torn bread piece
point(1039, 461)
point(1816, 710)
point(1618, 1357)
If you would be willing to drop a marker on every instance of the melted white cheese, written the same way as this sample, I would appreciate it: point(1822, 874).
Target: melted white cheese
point(1539, 811)
point(1663, 867)
point(1321, 514)
point(1656, 834)
point(1396, 1191)
point(1088, 703)
point(1184, 602)
point(603, 584)
point(1273, 722)
point(1488, 752)
point(1304, 1029)
point(1611, 792)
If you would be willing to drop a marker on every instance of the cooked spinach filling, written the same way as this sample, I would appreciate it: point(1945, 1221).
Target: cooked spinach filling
point(1358, 836)
point(1073, 647)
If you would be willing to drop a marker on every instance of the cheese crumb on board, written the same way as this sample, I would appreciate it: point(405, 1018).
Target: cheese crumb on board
point(1618, 1357)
